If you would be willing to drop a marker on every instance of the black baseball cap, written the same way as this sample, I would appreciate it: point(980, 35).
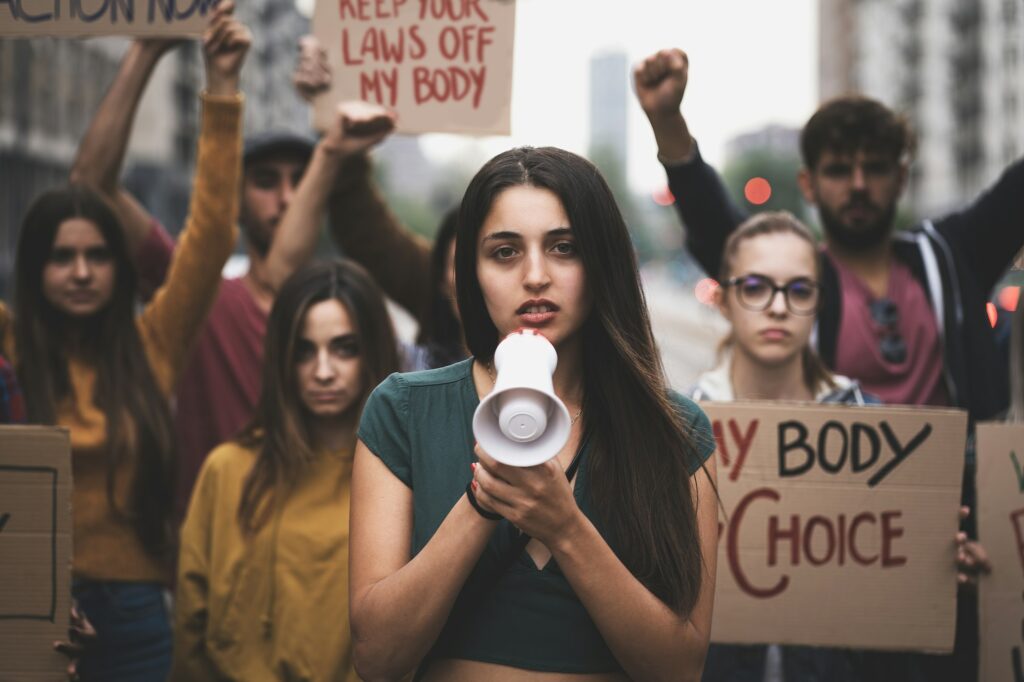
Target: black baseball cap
point(277, 143)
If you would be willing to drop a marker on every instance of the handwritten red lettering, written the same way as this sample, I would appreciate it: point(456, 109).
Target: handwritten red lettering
point(854, 552)
point(819, 541)
point(454, 10)
point(733, 552)
point(743, 442)
point(360, 10)
point(452, 83)
point(374, 83)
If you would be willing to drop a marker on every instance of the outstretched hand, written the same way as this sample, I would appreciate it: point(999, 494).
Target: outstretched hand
point(538, 500)
point(971, 558)
point(80, 635)
point(660, 82)
point(225, 44)
point(312, 75)
point(357, 127)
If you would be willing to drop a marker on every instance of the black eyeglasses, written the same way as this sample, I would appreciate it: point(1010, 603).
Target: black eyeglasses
point(756, 293)
point(886, 316)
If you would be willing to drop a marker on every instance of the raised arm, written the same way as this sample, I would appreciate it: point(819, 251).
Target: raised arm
point(368, 232)
point(357, 127)
point(989, 233)
point(176, 314)
point(390, 638)
point(700, 197)
point(102, 149)
point(361, 224)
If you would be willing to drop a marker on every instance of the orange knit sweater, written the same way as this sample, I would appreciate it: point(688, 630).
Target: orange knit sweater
point(106, 546)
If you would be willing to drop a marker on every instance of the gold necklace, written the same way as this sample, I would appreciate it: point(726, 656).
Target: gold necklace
point(494, 380)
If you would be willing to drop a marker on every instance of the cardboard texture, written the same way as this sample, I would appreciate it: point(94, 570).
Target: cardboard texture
point(840, 525)
point(35, 551)
point(1000, 485)
point(67, 18)
point(444, 65)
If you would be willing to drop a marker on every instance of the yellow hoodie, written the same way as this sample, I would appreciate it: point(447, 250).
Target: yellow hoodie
point(273, 606)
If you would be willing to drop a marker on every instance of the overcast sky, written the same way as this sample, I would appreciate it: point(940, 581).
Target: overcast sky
point(752, 62)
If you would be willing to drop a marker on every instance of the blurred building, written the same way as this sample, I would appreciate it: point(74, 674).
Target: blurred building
point(778, 140)
point(50, 88)
point(954, 67)
point(609, 78)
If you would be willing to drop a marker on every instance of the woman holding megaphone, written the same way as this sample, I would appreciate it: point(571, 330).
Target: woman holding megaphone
point(597, 563)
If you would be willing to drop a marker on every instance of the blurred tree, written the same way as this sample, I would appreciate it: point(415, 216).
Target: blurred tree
point(780, 173)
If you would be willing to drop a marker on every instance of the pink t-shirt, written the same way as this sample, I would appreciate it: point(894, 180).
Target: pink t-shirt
point(918, 378)
point(220, 381)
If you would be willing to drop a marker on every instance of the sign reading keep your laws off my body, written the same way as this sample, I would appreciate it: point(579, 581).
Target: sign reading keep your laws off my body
point(443, 65)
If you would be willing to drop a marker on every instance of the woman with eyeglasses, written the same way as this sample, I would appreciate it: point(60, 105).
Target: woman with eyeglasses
point(769, 293)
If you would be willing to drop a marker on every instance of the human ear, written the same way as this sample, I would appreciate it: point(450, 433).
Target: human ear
point(806, 183)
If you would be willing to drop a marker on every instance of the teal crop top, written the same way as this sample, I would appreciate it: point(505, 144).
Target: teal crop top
point(509, 612)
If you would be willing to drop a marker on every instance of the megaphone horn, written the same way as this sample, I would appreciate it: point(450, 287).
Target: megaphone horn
point(522, 422)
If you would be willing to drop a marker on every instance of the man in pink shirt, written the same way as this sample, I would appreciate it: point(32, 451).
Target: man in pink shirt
point(902, 312)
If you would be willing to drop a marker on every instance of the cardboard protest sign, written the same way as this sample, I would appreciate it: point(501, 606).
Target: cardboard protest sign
point(444, 65)
point(840, 525)
point(35, 551)
point(1000, 484)
point(26, 18)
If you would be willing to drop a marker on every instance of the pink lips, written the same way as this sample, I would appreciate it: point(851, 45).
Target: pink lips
point(774, 334)
point(536, 312)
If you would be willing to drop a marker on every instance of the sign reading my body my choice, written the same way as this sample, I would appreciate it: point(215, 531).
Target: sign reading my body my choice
point(28, 18)
point(839, 525)
point(443, 65)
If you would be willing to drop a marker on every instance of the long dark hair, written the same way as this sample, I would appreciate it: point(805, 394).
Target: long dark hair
point(139, 426)
point(441, 332)
point(641, 451)
point(279, 429)
point(778, 222)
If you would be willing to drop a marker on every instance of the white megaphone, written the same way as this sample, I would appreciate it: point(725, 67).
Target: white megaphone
point(522, 422)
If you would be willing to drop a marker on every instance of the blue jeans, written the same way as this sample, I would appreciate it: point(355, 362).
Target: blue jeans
point(133, 631)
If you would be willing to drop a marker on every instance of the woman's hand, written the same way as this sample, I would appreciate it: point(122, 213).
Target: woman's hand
point(80, 634)
point(538, 500)
point(971, 558)
point(225, 43)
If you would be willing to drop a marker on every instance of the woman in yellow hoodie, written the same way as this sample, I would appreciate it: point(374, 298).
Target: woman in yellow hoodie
point(87, 362)
point(263, 569)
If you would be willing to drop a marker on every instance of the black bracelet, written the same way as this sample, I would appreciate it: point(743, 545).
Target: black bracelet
point(490, 516)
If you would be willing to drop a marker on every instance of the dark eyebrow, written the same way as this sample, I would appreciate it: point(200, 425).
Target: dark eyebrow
point(504, 234)
point(508, 234)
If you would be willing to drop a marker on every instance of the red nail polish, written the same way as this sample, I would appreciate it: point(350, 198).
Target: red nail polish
point(475, 486)
point(472, 467)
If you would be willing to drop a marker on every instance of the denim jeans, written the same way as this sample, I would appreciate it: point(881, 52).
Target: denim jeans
point(133, 631)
